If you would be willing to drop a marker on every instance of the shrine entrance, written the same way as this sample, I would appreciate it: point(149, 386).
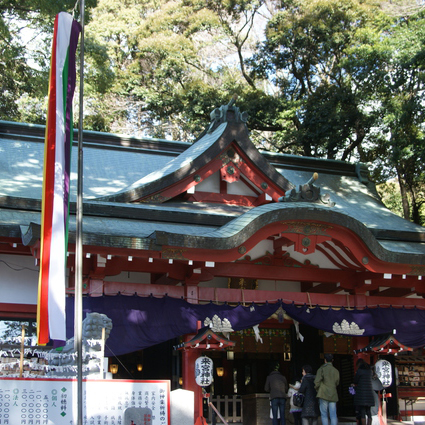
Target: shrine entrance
point(242, 370)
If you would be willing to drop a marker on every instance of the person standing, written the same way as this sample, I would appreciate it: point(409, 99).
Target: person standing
point(364, 397)
point(295, 410)
point(377, 388)
point(326, 381)
point(310, 410)
point(277, 386)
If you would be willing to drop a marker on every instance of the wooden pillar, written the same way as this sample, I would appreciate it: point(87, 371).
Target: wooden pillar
point(190, 355)
point(188, 373)
point(359, 342)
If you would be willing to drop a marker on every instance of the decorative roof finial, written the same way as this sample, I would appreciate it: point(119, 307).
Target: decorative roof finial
point(307, 193)
point(232, 100)
point(227, 113)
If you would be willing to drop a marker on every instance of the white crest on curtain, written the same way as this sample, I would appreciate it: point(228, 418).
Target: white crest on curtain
point(218, 325)
point(347, 328)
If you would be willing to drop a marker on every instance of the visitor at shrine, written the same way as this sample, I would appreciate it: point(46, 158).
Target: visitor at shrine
point(277, 386)
point(327, 379)
point(364, 397)
point(377, 388)
point(294, 410)
point(310, 410)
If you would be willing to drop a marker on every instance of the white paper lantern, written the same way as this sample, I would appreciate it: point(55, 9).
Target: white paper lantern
point(383, 372)
point(203, 371)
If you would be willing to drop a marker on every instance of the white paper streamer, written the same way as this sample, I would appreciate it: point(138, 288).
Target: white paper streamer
point(257, 334)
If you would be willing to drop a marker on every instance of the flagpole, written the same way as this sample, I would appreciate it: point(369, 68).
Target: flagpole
point(78, 307)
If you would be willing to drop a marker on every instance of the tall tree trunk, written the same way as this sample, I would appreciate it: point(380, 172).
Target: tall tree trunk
point(404, 198)
point(416, 206)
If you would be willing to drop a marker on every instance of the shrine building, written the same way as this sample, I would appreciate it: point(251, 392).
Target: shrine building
point(287, 257)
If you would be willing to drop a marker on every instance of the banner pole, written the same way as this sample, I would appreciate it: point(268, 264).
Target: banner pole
point(102, 361)
point(78, 307)
point(21, 360)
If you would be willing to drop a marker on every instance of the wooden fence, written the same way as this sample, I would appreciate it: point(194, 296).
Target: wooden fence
point(230, 408)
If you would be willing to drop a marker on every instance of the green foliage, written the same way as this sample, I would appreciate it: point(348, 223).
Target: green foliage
point(174, 61)
point(340, 79)
point(391, 197)
point(25, 37)
point(320, 57)
point(402, 111)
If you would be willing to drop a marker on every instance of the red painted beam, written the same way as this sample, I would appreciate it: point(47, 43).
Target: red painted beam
point(393, 292)
point(247, 296)
point(18, 311)
point(13, 246)
point(223, 198)
point(267, 272)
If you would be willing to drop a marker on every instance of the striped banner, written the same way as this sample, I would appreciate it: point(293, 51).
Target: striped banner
point(56, 181)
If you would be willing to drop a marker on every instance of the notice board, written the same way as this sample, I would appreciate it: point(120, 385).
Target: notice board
point(105, 402)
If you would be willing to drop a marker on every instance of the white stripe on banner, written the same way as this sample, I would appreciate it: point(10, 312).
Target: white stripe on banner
point(57, 285)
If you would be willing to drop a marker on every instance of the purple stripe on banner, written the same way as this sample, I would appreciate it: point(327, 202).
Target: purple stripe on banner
point(75, 32)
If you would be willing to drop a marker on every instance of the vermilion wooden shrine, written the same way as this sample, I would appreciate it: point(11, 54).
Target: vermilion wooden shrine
point(216, 220)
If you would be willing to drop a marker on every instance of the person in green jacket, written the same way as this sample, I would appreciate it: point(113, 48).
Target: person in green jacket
point(326, 381)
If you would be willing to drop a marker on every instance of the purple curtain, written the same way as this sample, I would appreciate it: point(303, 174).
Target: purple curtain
point(140, 322)
point(407, 324)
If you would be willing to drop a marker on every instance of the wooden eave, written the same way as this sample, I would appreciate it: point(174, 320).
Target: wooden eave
point(170, 266)
point(386, 344)
point(320, 226)
point(206, 339)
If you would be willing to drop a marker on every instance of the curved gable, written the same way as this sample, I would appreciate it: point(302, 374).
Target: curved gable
point(305, 227)
point(224, 149)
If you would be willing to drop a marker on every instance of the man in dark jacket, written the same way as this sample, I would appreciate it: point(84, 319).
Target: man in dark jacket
point(277, 386)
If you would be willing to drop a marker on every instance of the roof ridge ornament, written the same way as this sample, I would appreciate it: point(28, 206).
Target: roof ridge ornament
point(307, 193)
point(227, 113)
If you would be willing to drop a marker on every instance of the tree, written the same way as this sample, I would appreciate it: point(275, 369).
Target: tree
point(168, 63)
point(390, 195)
point(340, 79)
point(403, 111)
point(322, 60)
point(25, 40)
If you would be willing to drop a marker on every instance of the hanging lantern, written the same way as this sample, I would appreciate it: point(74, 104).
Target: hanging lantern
point(383, 372)
point(203, 371)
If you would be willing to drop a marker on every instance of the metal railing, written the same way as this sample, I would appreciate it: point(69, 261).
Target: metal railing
point(225, 409)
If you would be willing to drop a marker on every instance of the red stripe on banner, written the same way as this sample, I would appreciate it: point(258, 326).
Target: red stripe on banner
point(49, 166)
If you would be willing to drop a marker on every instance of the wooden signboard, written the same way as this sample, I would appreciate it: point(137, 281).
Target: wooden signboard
point(109, 402)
